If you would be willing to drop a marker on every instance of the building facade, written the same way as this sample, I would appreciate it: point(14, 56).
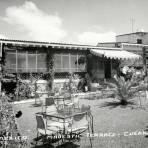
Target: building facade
point(133, 38)
point(136, 42)
point(22, 58)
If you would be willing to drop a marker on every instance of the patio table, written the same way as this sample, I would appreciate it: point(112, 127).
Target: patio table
point(61, 115)
point(65, 121)
point(62, 118)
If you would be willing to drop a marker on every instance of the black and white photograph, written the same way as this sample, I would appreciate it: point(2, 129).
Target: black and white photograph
point(73, 74)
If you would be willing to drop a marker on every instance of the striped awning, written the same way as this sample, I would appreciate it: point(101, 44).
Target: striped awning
point(114, 54)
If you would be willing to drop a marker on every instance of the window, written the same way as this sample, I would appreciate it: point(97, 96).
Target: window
point(41, 62)
point(74, 63)
point(10, 61)
point(21, 62)
point(31, 62)
point(27, 61)
point(139, 41)
point(70, 63)
point(17, 61)
point(65, 63)
point(58, 63)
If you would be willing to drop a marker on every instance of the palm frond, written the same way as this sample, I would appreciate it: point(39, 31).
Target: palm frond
point(125, 90)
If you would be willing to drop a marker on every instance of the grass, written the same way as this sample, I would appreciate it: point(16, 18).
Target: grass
point(109, 117)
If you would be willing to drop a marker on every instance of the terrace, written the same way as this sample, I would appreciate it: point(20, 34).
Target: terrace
point(114, 125)
point(118, 121)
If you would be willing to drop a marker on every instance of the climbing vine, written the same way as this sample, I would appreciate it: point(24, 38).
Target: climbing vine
point(50, 69)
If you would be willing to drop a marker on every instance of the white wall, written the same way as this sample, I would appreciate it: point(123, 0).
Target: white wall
point(132, 38)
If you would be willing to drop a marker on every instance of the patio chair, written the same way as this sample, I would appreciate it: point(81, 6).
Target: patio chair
point(79, 124)
point(68, 102)
point(64, 102)
point(38, 99)
point(75, 101)
point(43, 130)
point(50, 107)
point(59, 102)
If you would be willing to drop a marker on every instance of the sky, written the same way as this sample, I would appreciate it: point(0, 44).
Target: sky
point(71, 21)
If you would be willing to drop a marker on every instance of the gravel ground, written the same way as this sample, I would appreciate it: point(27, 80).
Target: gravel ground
point(114, 126)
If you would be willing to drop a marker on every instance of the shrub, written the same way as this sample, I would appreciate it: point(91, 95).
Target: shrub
point(24, 90)
point(72, 85)
point(85, 82)
point(125, 90)
point(8, 125)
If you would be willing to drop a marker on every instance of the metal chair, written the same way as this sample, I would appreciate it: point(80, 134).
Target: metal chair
point(79, 124)
point(46, 132)
point(59, 101)
point(50, 107)
point(75, 100)
point(68, 103)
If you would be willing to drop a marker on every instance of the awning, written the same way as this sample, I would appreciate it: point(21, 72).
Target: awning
point(114, 54)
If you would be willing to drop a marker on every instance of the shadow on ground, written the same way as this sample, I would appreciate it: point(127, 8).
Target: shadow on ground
point(42, 142)
point(36, 105)
point(68, 145)
point(114, 104)
point(65, 145)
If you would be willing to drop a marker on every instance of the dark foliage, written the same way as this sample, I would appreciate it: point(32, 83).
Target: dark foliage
point(18, 114)
point(8, 125)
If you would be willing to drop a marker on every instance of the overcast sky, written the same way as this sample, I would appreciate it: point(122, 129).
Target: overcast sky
point(71, 21)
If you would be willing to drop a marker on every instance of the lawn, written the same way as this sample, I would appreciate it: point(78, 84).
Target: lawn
point(114, 125)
